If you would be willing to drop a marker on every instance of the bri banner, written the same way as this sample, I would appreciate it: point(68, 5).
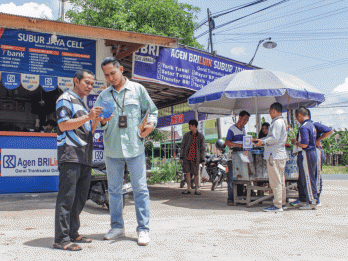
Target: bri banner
point(181, 67)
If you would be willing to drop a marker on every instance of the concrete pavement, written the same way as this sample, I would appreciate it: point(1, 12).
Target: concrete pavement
point(183, 227)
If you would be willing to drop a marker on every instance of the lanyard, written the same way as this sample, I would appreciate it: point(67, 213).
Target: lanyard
point(117, 102)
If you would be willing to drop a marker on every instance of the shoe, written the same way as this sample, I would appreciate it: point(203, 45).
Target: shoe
point(198, 193)
point(230, 203)
point(114, 233)
point(309, 207)
point(272, 209)
point(319, 203)
point(284, 207)
point(294, 203)
point(186, 192)
point(143, 238)
point(297, 203)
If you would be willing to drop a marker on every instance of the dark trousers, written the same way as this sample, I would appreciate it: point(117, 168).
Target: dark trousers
point(240, 187)
point(74, 182)
point(307, 180)
point(320, 180)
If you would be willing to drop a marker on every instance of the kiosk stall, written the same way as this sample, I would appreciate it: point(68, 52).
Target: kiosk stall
point(38, 60)
point(254, 91)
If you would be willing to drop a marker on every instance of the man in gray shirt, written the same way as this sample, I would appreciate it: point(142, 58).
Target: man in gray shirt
point(276, 156)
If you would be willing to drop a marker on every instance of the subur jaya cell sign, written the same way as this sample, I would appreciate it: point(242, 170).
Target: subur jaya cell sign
point(32, 59)
point(180, 67)
point(35, 53)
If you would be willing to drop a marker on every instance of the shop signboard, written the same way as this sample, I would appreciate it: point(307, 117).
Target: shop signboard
point(28, 162)
point(48, 83)
point(65, 84)
point(98, 136)
point(179, 118)
point(11, 81)
point(30, 82)
point(180, 67)
point(36, 53)
point(91, 99)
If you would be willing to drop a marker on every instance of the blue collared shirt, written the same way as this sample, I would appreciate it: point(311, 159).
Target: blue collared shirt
point(321, 129)
point(275, 140)
point(126, 142)
point(308, 135)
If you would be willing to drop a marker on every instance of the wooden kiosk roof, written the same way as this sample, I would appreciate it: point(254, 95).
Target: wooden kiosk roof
point(123, 44)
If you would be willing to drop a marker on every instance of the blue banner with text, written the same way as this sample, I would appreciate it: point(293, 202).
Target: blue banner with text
point(180, 67)
point(41, 54)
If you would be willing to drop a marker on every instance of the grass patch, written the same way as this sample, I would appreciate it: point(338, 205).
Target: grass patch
point(334, 170)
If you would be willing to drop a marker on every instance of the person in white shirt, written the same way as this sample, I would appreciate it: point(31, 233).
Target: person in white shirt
point(276, 156)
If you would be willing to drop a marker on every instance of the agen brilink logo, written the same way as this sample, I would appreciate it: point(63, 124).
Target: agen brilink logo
point(9, 161)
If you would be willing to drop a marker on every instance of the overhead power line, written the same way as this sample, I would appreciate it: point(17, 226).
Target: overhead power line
point(282, 16)
point(236, 9)
point(301, 21)
point(230, 11)
point(217, 27)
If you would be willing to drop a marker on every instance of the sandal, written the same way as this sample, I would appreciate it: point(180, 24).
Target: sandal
point(198, 193)
point(186, 192)
point(68, 246)
point(81, 240)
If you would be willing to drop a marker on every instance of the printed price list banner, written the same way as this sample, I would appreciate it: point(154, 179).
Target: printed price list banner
point(35, 53)
point(180, 67)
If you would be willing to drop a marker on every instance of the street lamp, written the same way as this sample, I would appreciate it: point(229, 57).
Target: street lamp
point(268, 44)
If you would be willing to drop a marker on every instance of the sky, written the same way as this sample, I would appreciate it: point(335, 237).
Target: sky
point(311, 39)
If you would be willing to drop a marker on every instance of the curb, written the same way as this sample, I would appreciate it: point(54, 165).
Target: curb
point(28, 196)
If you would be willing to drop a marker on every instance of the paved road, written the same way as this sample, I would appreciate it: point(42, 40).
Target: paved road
point(335, 176)
point(183, 227)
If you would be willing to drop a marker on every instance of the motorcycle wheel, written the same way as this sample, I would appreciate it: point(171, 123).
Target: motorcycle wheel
point(193, 185)
point(215, 184)
point(124, 200)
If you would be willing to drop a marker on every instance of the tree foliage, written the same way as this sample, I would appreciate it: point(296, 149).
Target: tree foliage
point(159, 17)
point(337, 142)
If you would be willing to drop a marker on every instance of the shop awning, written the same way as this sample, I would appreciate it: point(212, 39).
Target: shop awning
point(31, 82)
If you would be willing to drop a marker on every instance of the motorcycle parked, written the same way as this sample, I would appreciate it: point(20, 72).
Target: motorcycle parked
point(221, 174)
point(98, 190)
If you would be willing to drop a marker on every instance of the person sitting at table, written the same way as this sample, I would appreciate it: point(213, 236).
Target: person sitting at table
point(234, 139)
point(264, 130)
point(48, 126)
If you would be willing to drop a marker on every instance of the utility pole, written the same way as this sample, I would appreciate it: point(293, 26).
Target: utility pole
point(211, 27)
point(210, 21)
point(63, 12)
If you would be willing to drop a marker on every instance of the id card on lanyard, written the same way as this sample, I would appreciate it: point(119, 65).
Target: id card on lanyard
point(122, 119)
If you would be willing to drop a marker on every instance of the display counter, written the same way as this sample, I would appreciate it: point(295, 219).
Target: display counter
point(250, 170)
point(251, 166)
point(28, 162)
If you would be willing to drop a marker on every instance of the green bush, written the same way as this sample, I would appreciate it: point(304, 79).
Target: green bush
point(164, 171)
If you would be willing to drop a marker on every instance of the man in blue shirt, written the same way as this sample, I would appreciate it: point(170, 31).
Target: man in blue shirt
point(322, 133)
point(234, 140)
point(75, 146)
point(124, 143)
point(306, 160)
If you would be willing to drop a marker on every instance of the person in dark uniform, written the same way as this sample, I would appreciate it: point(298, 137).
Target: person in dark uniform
point(306, 160)
point(322, 133)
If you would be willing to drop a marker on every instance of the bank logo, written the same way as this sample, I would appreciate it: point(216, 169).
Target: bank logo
point(11, 78)
point(9, 161)
point(48, 81)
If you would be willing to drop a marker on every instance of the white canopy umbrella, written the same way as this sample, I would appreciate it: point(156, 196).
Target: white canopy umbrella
point(254, 91)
